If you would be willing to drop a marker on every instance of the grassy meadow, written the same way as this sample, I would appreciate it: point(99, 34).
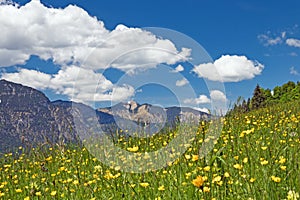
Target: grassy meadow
point(255, 157)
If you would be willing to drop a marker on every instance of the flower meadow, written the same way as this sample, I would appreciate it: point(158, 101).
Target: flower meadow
point(255, 157)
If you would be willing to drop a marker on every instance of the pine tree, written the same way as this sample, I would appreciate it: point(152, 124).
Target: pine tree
point(258, 99)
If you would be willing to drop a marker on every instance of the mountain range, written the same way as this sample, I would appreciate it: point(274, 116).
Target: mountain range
point(27, 116)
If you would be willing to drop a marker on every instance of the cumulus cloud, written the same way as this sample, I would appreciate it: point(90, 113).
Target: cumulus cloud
point(229, 68)
point(81, 85)
point(71, 38)
point(71, 35)
point(182, 82)
point(202, 99)
point(218, 96)
point(218, 101)
point(293, 42)
point(28, 77)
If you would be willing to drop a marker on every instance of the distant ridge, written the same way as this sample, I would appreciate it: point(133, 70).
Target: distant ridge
point(27, 116)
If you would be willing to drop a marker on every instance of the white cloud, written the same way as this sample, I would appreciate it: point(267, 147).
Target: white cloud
point(206, 110)
point(81, 45)
point(229, 68)
point(179, 68)
point(218, 96)
point(81, 85)
point(268, 41)
point(293, 42)
point(218, 101)
point(182, 82)
point(202, 99)
point(293, 71)
point(71, 35)
point(31, 78)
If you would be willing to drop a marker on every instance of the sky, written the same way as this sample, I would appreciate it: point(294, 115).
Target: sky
point(197, 53)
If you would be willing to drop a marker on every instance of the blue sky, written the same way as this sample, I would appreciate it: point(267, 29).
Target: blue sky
point(249, 43)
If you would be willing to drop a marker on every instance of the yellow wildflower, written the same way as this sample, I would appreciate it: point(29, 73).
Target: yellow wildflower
point(144, 184)
point(198, 182)
point(53, 193)
point(133, 149)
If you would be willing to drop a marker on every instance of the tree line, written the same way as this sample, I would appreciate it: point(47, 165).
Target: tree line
point(289, 91)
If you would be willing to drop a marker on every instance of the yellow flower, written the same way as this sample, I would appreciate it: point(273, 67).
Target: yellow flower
point(53, 193)
point(27, 198)
point(217, 179)
point(187, 157)
point(133, 149)
point(264, 148)
point(18, 190)
point(195, 157)
point(245, 160)
point(206, 189)
point(198, 182)
point(161, 188)
point(144, 184)
point(252, 180)
point(292, 195)
point(276, 179)
point(264, 162)
point(38, 194)
point(282, 160)
point(283, 168)
point(226, 174)
point(49, 158)
point(207, 168)
point(237, 166)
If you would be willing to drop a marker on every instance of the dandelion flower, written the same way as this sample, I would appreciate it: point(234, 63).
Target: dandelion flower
point(198, 182)
point(237, 166)
point(264, 162)
point(276, 179)
point(38, 194)
point(217, 179)
point(195, 157)
point(207, 168)
point(245, 160)
point(226, 174)
point(252, 180)
point(2, 194)
point(161, 188)
point(133, 149)
point(282, 160)
point(18, 190)
point(53, 193)
point(283, 168)
point(206, 189)
point(144, 185)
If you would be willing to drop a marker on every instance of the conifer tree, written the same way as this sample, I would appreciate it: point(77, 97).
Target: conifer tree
point(258, 99)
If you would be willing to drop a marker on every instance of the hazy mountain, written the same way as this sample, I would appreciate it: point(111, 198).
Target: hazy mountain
point(27, 117)
point(147, 113)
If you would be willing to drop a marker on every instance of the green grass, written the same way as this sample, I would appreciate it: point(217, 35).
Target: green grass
point(255, 157)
